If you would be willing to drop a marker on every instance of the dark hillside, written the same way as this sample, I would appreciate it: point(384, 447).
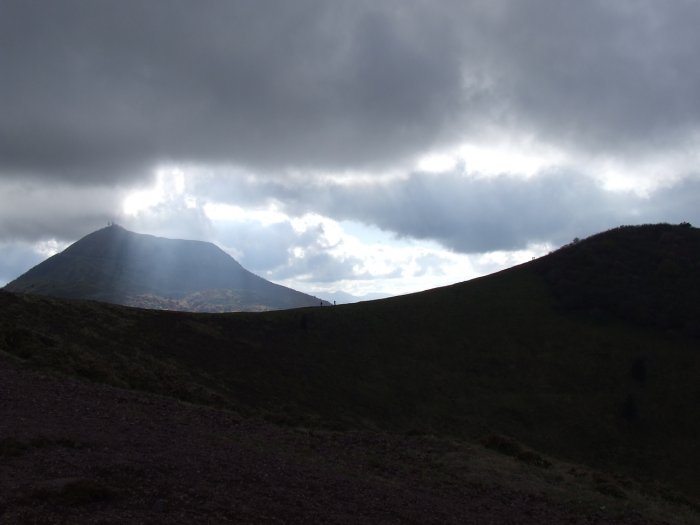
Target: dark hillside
point(496, 355)
point(648, 275)
point(94, 454)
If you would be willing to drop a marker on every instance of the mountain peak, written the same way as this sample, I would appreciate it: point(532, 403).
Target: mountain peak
point(119, 266)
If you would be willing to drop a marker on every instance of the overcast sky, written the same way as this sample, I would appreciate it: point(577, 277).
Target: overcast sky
point(365, 146)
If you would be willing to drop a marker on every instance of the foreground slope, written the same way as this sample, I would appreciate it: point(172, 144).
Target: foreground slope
point(87, 453)
point(118, 266)
point(507, 354)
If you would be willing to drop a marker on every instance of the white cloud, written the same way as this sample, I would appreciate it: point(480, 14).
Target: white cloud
point(169, 185)
point(50, 247)
point(17, 258)
point(437, 163)
point(222, 212)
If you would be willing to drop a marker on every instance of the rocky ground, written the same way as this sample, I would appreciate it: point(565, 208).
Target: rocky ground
point(75, 452)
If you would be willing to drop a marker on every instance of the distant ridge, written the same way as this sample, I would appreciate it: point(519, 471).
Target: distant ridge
point(118, 266)
point(340, 297)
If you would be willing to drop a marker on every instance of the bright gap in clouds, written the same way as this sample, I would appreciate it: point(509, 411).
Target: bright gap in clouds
point(50, 247)
point(222, 213)
point(311, 252)
point(169, 182)
point(437, 163)
point(524, 158)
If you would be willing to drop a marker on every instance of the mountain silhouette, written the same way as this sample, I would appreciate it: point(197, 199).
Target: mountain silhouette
point(647, 275)
point(118, 266)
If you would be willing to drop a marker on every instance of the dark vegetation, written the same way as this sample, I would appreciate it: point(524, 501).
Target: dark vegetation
point(510, 447)
point(645, 275)
point(588, 355)
point(119, 456)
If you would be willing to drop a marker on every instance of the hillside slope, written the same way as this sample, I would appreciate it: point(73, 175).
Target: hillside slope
point(503, 354)
point(87, 453)
point(646, 275)
point(118, 266)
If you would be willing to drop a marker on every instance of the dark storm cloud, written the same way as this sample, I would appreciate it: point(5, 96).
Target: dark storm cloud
point(103, 90)
point(613, 77)
point(34, 212)
point(474, 215)
point(96, 89)
point(470, 214)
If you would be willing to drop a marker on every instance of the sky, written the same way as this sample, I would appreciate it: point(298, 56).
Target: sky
point(367, 146)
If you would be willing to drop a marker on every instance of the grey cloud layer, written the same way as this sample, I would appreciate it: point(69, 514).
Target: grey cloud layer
point(32, 212)
point(93, 89)
point(102, 89)
point(602, 75)
point(474, 215)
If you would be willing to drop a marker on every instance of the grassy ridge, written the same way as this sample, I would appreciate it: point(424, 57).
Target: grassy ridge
point(494, 355)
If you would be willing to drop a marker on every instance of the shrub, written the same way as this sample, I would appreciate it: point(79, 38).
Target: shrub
point(510, 447)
